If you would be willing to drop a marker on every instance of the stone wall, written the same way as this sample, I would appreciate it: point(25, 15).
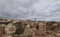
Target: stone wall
point(28, 28)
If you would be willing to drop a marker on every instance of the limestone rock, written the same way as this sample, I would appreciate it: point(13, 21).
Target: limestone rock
point(10, 29)
point(28, 28)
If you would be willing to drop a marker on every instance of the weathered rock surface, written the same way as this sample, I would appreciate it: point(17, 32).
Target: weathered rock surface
point(28, 28)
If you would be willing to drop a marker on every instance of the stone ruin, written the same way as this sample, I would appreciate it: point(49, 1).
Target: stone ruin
point(28, 28)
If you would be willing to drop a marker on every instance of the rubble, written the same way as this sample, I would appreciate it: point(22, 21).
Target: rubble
point(28, 28)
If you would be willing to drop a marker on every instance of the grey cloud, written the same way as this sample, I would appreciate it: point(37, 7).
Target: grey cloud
point(30, 9)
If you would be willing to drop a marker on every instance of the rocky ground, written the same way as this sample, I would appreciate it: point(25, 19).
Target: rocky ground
point(28, 28)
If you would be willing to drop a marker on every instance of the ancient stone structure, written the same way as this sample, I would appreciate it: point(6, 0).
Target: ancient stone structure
point(28, 28)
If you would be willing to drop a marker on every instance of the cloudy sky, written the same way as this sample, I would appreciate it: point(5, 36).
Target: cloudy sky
point(48, 10)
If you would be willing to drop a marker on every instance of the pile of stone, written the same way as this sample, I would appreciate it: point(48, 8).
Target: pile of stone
point(28, 28)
